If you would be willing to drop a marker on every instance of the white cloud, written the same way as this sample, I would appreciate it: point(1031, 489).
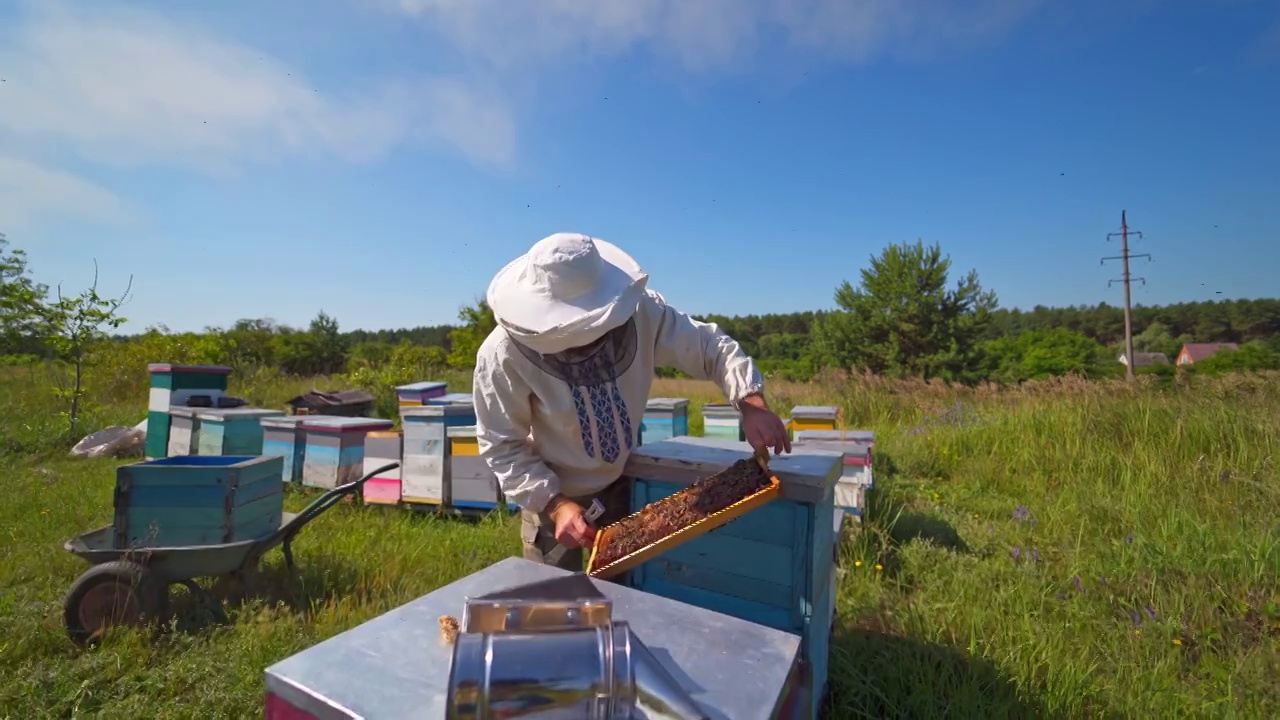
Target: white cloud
point(706, 35)
point(126, 87)
point(30, 192)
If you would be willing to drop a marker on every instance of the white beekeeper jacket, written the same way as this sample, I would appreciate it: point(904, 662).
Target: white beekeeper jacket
point(566, 423)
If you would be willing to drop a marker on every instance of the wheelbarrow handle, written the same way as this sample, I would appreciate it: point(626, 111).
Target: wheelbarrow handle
point(327, 500)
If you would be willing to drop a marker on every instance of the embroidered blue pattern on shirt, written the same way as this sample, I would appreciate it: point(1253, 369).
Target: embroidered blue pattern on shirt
point(606, 425)
point(584, 421)
point(592, 373)
point(623, 414)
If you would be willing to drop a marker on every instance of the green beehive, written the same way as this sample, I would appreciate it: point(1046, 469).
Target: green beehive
point(174, 385)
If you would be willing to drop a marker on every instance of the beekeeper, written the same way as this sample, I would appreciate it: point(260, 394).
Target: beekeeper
point(562, 383)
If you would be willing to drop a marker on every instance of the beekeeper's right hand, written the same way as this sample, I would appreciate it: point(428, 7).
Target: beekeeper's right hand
point(572, 528)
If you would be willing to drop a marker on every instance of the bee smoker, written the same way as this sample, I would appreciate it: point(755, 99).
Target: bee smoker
point(558, 660)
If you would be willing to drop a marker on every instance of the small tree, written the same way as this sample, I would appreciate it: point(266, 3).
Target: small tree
point(904, 320)
point(21, 302)
point(73, 325)
point(465, 341)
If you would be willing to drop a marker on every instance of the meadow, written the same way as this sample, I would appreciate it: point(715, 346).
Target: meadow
point(1064, 548)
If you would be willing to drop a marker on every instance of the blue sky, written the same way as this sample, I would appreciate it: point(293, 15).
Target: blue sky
point(381, 159)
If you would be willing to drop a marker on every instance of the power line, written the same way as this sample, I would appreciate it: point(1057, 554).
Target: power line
point(1125, 257)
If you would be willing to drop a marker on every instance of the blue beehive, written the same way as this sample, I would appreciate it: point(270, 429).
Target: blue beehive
point(420, 392)
point(284, 436)
point(334, 453)
point(774, 565)
point(664, 418)
point(722, 421)
point(197, 500)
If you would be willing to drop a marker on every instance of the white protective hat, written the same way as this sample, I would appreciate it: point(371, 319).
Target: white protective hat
point(566, 292)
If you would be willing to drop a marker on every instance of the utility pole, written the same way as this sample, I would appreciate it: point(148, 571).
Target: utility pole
point(1124, 256)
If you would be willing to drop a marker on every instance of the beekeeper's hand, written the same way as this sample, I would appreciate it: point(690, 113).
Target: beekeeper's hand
point(763, 428)
point(572, 528)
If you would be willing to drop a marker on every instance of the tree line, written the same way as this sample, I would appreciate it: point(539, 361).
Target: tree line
point(904, 317)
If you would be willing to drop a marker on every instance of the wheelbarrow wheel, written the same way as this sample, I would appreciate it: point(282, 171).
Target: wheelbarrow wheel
point(112, 594)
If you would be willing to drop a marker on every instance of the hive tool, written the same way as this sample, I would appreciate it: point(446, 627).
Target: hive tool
point(592, 514)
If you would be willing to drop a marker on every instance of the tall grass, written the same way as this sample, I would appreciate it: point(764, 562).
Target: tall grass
point(1060, 549)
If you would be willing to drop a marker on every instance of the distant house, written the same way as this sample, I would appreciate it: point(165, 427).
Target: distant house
point(1145, 359)
point(1195, 352)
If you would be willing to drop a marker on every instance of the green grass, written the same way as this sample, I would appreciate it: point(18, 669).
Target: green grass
point(1160, 501)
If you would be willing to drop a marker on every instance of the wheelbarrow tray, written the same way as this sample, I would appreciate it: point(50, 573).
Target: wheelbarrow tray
point(176, 564)
point(134, 582)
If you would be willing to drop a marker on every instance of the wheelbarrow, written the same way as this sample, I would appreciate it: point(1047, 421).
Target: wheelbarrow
point(130, 586)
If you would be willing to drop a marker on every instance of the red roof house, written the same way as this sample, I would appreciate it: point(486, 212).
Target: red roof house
point(1192, 353)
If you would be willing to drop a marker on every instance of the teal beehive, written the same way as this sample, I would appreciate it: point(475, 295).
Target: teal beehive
point(774, 566)
point(197, 500)
point(174, 385)
point(232, 431)
point(664, 418)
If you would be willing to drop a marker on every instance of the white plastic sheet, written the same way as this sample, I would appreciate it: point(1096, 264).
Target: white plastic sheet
point(115, 441)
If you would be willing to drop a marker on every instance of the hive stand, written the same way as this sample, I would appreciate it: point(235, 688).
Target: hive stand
point(773, 566)
point(722, 421)
point(419, 393)
point(232, 431)
point(424, 473)
point(382, 448)
point(814, 417)
point(335, 449)
point(171, 385)
point(664, 418)
point(284, 437)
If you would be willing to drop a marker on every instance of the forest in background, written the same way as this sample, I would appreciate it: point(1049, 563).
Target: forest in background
point(905, 317)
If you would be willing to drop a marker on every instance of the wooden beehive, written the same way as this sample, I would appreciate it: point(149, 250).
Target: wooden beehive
point(773, 566)
point(814, 417)
point(335, 449)
point(284, 437)
point(172, 385)
point(197, 500)
point(425, 472)
point(380, 448)
point(420, 392)
point(857, 478)
point(664, 418)
point(184, 432)
point(452, 399)
point(722, 421)
point(472, 485)
point(232, 431)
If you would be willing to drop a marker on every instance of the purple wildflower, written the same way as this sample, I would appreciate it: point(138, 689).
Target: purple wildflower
point(1137, 618)
point(1151, 611)
point(1078, 585)
point(1035, 555)
point(1225, 475)
point(1017, 553)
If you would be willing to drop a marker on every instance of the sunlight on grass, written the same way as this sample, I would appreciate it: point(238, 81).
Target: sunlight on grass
point(1064, 549)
